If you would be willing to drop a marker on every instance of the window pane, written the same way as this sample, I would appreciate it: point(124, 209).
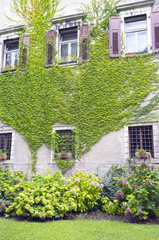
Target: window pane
point(12, 46)
point(73, 49)
point(15, 58)
point(131, 43)
point(136, 25)
point(142, 41)
point(8, 59)
point(68, 37)
point(64, 50)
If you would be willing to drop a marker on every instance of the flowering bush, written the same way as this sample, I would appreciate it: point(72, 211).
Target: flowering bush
point(51, 196)
point(139, 191)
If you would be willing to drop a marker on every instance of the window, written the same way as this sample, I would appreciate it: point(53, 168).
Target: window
point(68, 45)
point(11, 49)
point(136, 34)
point(5, 143)
point(65, 144)
point(141, 137)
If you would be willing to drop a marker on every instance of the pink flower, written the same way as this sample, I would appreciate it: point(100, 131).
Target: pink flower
point(136, 186)
point(92, 183)
point(119, 194)
point(73, 191)
point(130, 172)
point(98, 185)
point(140, 212)
point(102, 185)
point(124, 206)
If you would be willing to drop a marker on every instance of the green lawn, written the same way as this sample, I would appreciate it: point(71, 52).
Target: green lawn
point(76, 230)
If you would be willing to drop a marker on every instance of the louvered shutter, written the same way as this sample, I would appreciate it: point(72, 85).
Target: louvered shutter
point(115, 37)
point(84, 41)
point(25, 49)
point(50, 47)
point(155, 31)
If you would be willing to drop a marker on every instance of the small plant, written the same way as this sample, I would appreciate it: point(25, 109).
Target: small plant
point(3, 155)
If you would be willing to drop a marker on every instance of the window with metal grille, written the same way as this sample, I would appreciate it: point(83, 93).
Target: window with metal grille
point(65, 145)
point(5, 143)
point(141, 137)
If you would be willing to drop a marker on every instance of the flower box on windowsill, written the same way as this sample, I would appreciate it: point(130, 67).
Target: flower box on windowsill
point(64, 155)
point(146, 155)
point(5, 71)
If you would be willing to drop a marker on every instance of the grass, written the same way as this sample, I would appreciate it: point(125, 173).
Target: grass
point(76, 230)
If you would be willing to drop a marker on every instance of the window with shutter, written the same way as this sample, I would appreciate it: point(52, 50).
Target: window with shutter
point(25, 49)
point(50, 47)
point(136, 34)
point(115, 37)
point(68, 46)
point(84, 42)
point(10, 56)
point(155, 31)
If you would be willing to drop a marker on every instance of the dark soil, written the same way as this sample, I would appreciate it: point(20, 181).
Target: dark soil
point(101, 215)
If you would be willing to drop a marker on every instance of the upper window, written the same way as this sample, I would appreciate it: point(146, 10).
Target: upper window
point(11, 49)
point(5, 143)
point(68, 45)
point(141, 137)
point(136, 34)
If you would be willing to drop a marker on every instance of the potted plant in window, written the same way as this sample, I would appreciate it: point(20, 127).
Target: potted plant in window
point(64, 155)
point(142, 154)
point(3, 156)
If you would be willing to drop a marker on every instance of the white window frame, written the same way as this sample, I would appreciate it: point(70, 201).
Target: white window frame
point(5, 130)
point(60, 43)
point(57, 127)
point(11, 51)
point(135, 12)
point(136, 31)
point(155, 127)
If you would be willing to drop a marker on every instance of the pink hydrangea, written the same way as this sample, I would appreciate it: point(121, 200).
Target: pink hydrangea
point(124, 206)
point(98, 185)
point(92, 183)
point(136, 186)
point(128, 212)
point(130, 172)
point(73, 191)
point(140, 212)
point(119, 194)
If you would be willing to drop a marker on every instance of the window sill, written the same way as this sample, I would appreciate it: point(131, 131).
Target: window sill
point(67, 63)
point(12, 70)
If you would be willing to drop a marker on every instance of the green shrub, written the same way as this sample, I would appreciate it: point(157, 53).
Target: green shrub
point(54, 196)
point(139, 193)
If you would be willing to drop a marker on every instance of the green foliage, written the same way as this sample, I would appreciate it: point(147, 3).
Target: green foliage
point(139, 193)
point(49, 196)
point(95, 97)
point(97, 13)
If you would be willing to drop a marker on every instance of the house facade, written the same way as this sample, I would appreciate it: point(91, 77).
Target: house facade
point(135, 31)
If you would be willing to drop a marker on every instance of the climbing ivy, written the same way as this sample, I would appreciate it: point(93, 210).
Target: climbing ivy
point(97, 96)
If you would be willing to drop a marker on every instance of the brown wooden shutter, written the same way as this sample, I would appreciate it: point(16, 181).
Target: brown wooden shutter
point(25, 49)
point(84, 41)
point(50, 47)
point(155, 31)
point(115, 37)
